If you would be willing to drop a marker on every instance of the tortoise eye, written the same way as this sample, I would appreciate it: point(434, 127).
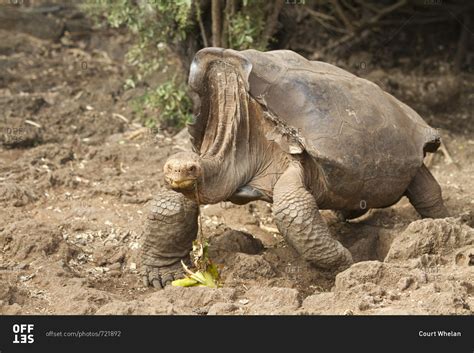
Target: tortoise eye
point(192, 168)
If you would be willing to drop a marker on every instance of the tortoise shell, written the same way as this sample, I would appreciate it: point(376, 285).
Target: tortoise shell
point(358, 133)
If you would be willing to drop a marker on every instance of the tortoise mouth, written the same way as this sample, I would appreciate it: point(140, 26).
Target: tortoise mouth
point(187, 184)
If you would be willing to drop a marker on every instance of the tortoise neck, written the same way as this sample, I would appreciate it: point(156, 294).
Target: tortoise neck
point(271, 161)
point(222, 173)
point(224, 113)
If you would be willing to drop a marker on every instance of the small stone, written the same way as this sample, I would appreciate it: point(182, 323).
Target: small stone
point(222, 309)
point(404, 283)
point(393, 296)
point(115, 266)
point(133, 245)
point(377, 299)
point(118, 257)
point(364, 305)
point(26, 278)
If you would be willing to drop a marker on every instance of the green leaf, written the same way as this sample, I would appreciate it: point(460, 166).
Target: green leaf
point(212, 269)
point(210, 282)
point(184, 282)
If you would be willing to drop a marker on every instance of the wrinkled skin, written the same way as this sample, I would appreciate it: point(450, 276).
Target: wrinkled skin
point(169, 232)
point(243, 152)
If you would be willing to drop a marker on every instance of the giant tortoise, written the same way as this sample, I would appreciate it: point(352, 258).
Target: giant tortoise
point(303, 135)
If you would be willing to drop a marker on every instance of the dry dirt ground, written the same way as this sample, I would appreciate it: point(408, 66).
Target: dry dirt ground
point(76, 181)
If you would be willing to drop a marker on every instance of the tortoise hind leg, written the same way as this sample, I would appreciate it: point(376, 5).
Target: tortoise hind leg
point(298, 219)
point(424, 194)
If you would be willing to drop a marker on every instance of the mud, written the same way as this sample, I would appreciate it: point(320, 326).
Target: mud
point(77, 178)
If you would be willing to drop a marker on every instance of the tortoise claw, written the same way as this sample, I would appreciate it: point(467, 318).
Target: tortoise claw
point(167, 279)
point(145, 281)
point(157, 284)
point(160, 277)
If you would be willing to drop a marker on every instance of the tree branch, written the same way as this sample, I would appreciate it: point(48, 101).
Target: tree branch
point(272, 22)
point(462, 42)
point(229, 11)
point(342, 15)
point(363, 25)
point(216, 23)
point(201, 25)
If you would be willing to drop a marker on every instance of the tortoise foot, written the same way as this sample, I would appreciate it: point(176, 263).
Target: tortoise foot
point(160, 277)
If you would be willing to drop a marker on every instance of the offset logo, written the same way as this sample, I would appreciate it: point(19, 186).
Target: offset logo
point(23, 333)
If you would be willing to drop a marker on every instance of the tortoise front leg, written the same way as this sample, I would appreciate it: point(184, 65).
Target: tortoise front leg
point(169, 233)
point(298, 219)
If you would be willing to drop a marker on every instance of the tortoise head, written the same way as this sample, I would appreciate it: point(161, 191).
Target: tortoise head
point(182, 171)
point(221, 131)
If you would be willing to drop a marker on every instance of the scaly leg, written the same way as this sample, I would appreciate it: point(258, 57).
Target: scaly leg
point(298, 219)
point(424, 194)
point(170, 230)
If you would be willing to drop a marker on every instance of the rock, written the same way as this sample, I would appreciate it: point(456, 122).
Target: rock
point(398, 311)
point(109, 255)
point(115, 266)
point(25, 244)
point(14, 309)
point(404, 283)
point(430, 236)
point(364, 305)
point(447, 298)
point(115, 273)
point(272, 301)
point(465, 257)
point(174, 300)
point(375, 272)
point(242, 267)
point(16, 195)
point(193, 299)
point(467, 218)
point(134, 308)
point(222, 309)
point(319, 303)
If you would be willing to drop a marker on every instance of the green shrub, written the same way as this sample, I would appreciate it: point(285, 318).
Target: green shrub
point(167, 30)
point(172, 102)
